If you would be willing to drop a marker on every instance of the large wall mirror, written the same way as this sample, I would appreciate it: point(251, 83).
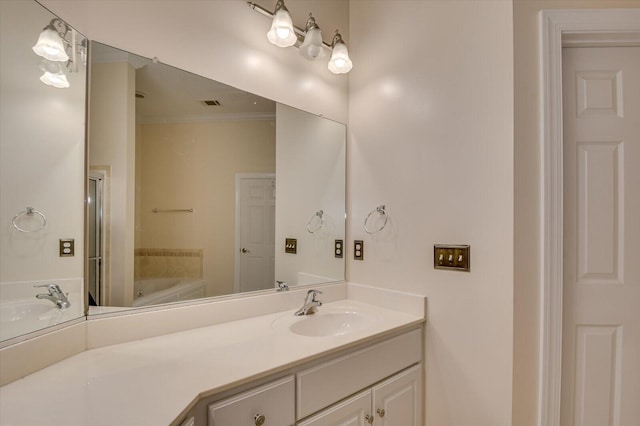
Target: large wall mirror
point(42, 151)
point(197, 189)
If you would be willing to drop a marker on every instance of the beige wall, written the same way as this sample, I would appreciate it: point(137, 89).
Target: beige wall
point(431, 136)
point(112, 144)
point(527, 203)
point(193, 165)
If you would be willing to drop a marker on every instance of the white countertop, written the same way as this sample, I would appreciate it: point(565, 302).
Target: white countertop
point(151, 381)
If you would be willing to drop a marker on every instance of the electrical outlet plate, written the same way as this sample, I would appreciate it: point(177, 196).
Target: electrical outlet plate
point(291, 245)
point(358, 250)
point(452, 257)
point(67, 247)
point(338, 249)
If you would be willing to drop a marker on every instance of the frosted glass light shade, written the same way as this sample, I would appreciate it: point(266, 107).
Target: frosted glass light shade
point(340, 62)
point(57, 79)
point(50, 46)
point(312, 46)
point(281, 33)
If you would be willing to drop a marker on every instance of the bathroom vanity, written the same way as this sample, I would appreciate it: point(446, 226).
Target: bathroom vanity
point(360, 355)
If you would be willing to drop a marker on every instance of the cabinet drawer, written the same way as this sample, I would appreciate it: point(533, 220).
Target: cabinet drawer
point(322, 385)
point(274, 401)
point(349, 412)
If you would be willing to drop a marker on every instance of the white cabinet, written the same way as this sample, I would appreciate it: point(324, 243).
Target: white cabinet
point(268, 405)
point(396, 401)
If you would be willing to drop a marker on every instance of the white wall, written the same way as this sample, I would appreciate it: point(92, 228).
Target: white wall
point(224, 40)
point(431, 136)
point(528, 278)
point(41, 150)
point(112, 145)
point(310, 175)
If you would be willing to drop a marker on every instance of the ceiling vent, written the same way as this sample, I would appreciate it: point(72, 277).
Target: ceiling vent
point(212, 103)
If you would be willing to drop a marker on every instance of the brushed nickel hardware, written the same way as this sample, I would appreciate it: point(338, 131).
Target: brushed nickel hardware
point(66, 247)
point(55, 295)
point(381, 210)
point(369, 418)
point(291, 245)
point(381, 412)
point(338, 249)
point(157, 210)
point(244, 250)
point(259, 419)
point(311, 304)
point(316, 222)
point(29, 212)
point(282, 286)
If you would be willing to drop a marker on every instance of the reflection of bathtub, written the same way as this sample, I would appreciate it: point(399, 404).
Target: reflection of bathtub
point(152, 291)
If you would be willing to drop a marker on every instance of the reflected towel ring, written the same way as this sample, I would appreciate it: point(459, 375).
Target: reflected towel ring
point(30, 211)
point(380, 210)
point(319, 222)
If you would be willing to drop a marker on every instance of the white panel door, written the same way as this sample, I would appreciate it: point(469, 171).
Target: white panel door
point(256, 206)
point(355, 411)
point(398, 401)
point(601, 299)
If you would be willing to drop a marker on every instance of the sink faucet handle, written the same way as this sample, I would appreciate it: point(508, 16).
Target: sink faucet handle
point(311, 295)
point(53, 288)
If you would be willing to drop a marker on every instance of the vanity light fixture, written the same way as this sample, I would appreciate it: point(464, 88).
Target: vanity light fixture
point(282, 33)
point(340, 63)
point(312, 47)
point(309, 40)
point(51, 42)
point(56, 41)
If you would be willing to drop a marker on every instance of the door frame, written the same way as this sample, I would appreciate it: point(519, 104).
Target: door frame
point(587, 27)
point(236, 258)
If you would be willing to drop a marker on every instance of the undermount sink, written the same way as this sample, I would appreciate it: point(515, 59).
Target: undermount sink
point(327, 322)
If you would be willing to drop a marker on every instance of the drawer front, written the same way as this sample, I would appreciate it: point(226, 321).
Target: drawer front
point(351, 412)
point(268, 405)
point(322, 385)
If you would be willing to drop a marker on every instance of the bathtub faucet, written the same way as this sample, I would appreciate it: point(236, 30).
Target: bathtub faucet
point(55, 295)
point(310, 304)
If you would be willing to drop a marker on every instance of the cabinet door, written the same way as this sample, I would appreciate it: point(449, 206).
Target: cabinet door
point(355, 411)
point(398, 400)
point(268, 405)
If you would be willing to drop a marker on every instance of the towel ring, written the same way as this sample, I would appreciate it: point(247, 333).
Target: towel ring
point(30, 211)
point(319, 222)
point(380, 210)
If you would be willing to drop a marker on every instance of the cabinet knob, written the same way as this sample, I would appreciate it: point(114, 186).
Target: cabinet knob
point(368, 418)
point(381, 412)
point(260, 419)
point(244, 250)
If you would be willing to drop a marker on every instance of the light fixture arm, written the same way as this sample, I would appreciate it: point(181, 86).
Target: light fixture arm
point(61, 27)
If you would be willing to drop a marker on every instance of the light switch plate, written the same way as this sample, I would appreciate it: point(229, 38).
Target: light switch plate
point(452, 257)
point(291, 245)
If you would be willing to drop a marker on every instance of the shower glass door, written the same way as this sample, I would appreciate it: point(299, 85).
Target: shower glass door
point(94, 247)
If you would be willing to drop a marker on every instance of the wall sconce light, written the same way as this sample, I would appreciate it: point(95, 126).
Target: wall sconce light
point(53, 75)
point(340, 63)
point(312, 47)
point(56, 41)
point(284, 34)
point(51, 42)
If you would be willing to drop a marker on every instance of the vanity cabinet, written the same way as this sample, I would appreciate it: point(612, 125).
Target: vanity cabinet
point(268, 405)
point(395, 401)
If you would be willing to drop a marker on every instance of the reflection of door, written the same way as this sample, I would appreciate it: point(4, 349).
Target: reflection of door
point(601, 284)
point(255, 231)
point(94, 248)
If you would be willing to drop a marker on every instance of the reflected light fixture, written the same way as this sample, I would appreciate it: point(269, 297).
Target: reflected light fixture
point(51, 42)
point(53, 75)
point(282, 33)
point(311, 47)
point(340, 63)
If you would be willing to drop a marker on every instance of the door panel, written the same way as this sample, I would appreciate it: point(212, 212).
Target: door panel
point(601, 258)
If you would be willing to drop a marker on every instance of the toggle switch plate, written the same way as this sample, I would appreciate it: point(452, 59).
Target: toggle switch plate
point(291, 245)
point(67, 247)
point(358, 250)
point(338, 249)
point(452, 257)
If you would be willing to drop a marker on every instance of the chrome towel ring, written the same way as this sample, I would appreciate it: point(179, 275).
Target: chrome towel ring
point(381, 211)
point(314, 225)
point(30, 211)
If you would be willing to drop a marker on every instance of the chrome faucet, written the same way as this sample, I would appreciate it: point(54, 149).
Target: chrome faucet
point(310, 304)
point(282, 286)
point(55, 295)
